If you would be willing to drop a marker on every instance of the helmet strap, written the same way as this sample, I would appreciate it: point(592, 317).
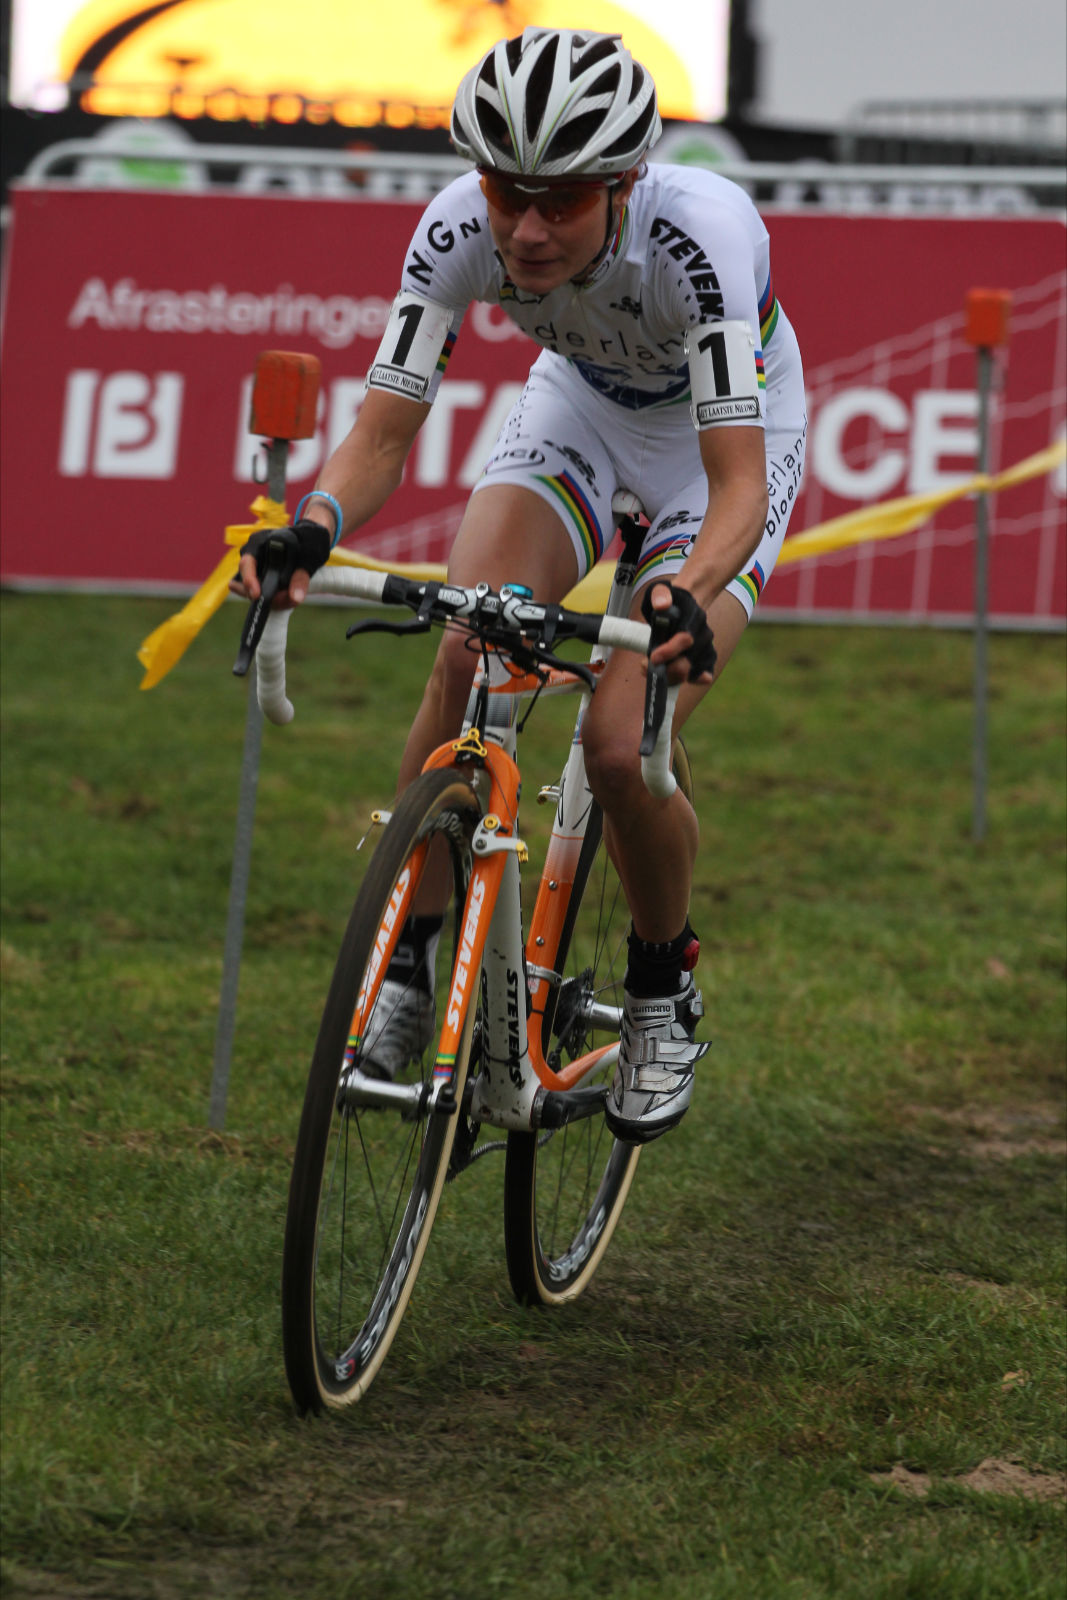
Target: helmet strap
point(612, 219)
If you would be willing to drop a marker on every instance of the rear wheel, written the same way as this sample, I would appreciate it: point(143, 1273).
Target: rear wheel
point(564, 1190)
point(371, 1159)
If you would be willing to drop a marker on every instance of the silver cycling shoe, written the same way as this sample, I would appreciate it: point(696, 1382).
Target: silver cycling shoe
point(653, 1082)
point(402, 1026)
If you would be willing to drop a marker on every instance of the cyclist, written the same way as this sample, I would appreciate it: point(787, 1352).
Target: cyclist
point(667, 368)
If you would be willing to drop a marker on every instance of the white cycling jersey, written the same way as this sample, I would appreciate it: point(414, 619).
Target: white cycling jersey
point(690, 248)
point(689, 260)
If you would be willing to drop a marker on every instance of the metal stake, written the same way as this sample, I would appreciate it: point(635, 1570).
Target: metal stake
point(277, 457)
point(981, 605)
point(985, 330)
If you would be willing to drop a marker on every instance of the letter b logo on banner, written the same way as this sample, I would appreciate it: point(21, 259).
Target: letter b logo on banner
point(126, 425)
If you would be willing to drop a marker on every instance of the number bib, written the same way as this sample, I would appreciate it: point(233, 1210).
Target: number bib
point(725, 374)
point(411, 347)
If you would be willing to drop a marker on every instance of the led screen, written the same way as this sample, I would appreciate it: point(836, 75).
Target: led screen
point(350, 62)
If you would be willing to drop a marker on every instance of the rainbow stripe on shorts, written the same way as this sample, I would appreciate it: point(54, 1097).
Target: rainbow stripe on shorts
point(675, 547)
point(578, 510)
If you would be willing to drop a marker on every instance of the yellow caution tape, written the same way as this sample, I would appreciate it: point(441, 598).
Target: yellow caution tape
point(168, 643)
point(886, 520)
point(890, 518)
point(424, 573)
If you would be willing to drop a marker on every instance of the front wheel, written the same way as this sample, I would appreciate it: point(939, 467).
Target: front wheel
point(370, 1164)
point(564, 1191)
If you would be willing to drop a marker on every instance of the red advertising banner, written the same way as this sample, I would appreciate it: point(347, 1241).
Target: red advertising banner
point(132, 322)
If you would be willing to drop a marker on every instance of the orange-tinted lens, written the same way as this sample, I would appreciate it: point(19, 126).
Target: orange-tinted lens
point(553, 204)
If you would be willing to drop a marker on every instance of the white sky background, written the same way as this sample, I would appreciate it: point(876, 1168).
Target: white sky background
point(820, 59)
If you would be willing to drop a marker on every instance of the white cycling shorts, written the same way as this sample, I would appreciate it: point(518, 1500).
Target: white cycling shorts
point(574, 448)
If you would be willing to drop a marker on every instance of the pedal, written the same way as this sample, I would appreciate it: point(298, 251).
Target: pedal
point(550, 792)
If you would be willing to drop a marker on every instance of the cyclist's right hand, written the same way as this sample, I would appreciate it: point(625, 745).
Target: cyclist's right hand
point(305, 547)
point(676, 615)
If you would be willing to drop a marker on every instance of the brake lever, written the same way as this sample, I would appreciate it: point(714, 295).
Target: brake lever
point(257, 614)
point(532, 657)
point(655, 706)
point(662, 626)
point(577, 668)
point(380, 625)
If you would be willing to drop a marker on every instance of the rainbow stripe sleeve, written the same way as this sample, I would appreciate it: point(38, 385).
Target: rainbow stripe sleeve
point(446, 352)
point(768, 312)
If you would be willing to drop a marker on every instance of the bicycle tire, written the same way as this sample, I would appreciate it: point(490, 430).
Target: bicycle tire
point(366, 1181)
point(564, 1190)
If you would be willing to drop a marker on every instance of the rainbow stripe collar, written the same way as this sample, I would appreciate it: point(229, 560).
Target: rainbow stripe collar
point(611, 254)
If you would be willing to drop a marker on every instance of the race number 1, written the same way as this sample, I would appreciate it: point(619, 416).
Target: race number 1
point(725, 369)
point(411, 346)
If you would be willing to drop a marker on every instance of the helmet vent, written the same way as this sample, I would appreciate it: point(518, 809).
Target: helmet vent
point(495, 128)
point(540, 85)
point(601, 51)
point(574, 135)
point(634, 137)
point(608, 82)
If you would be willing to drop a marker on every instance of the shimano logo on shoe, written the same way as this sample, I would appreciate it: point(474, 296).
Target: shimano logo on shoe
point(654, 1011)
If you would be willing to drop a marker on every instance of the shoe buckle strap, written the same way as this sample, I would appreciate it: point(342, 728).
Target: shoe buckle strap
point(646, 1050)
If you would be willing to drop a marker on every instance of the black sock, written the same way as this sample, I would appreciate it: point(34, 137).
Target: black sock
point(656, 969)
point(412, 960)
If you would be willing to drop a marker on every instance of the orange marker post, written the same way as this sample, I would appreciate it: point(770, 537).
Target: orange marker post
point(988, 314)
point(285, 393)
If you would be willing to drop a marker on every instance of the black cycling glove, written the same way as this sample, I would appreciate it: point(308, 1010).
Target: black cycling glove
point(305, 546)
point(279, 552)
point(683, 615)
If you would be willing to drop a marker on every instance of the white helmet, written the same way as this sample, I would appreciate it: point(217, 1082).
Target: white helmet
point(556, 103)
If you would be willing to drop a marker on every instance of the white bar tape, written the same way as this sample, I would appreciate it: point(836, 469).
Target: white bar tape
point(270, 669)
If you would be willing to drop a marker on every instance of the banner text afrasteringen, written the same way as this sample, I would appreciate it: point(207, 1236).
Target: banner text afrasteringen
point(334, 320)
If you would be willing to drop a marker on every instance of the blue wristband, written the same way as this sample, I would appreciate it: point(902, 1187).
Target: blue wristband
point(320, 494)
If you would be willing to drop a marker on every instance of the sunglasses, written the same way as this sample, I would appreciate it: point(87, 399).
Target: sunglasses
point(554, 203)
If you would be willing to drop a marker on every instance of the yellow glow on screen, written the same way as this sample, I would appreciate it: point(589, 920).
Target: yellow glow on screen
point(348, 61)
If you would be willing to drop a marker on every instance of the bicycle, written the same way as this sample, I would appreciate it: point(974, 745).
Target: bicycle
point(513, 1047)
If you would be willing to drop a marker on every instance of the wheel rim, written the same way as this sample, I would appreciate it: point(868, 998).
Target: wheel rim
point(367, 1177)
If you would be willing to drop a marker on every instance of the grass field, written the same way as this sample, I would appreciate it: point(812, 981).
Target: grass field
point(824, 1356)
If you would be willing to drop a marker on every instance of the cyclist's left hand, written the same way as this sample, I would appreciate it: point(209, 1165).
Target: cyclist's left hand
point(689, 651)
